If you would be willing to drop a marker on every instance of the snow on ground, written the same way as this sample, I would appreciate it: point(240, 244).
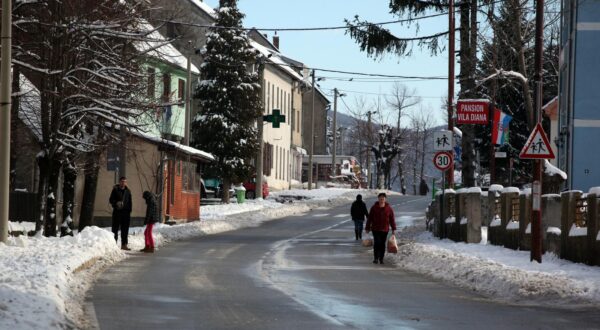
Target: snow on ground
point(44, 280)
point(501, 273)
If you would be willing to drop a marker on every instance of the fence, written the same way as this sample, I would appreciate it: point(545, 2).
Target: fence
point(570, 221)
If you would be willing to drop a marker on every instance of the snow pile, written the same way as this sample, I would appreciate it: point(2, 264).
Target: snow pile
point(44, 280)
point(38, 276)
point(552, 170)
point(503, 273)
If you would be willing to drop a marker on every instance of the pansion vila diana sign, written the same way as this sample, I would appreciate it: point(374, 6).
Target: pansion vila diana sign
point(472, 111)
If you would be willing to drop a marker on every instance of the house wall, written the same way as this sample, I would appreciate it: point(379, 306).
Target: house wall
point(320, 120)
point(143, 159)
point(579, 99)
point(158, 125)
point(278, 95)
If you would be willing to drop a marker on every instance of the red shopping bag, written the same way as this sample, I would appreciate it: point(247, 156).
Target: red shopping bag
point(392, 246)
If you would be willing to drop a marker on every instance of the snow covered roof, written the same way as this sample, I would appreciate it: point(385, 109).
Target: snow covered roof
point(204, 7)
point(178, 146)
point(29, 107)
point(276, 59)
point(160, 48)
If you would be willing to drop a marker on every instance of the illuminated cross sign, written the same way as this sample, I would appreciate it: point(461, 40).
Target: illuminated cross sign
point(275, 118)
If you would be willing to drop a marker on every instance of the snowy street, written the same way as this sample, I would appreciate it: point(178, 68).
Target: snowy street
point(304, 271)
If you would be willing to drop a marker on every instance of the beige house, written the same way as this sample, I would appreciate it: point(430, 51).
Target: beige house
point(282, 88)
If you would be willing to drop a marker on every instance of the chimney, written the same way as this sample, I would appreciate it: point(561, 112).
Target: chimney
point(276, 41)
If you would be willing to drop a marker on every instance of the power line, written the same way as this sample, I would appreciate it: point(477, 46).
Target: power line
point(382, 94)
point(406, 20)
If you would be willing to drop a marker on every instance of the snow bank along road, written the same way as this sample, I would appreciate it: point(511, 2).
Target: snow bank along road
point(300, 272)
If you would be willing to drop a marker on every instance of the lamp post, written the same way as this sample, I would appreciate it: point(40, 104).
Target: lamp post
point(312, 133)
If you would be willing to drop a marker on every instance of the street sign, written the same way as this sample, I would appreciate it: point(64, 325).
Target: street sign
point(500, 154)
point(537, 146)
point(472, 111)
point(442, 160)
point(276, 118)
point(442, 141)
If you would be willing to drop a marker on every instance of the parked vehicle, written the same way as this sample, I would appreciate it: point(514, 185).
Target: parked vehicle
point(251, 189)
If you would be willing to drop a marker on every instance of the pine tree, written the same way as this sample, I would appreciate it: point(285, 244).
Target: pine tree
point(229, 97)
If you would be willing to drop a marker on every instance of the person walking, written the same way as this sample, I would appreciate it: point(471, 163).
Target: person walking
point(358, 211)
point(120, 200)
point(151, 218)
point(380, 219)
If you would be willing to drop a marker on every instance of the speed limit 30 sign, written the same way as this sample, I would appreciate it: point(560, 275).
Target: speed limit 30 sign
point(443, 160)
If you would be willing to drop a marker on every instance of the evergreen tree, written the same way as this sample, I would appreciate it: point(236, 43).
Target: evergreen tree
point(499, 55)
point(229, 97)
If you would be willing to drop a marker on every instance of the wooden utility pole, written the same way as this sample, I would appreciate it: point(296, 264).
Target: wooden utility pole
point(369, 176)
point(536, 212)
point(451, 50)
point(312, 133)
point(5, 104)
point(258, 191)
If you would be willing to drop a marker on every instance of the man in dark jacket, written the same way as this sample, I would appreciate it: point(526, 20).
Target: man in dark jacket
point(381, 218)
point(358, 211)
point(151, 218)
point(120, 200)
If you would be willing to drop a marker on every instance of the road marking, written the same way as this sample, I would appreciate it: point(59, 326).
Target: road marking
point(340, 216)
point(320, 215)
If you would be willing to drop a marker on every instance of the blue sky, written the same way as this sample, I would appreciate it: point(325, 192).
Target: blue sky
point(333, 49)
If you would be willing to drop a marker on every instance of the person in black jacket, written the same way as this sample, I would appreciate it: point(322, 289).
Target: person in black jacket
point(358, 211)
point(151, 218)
point(120, 200)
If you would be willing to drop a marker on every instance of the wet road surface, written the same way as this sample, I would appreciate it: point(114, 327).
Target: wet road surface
point(300, 272)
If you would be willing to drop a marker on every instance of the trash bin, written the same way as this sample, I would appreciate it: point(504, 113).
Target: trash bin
point(240, 194)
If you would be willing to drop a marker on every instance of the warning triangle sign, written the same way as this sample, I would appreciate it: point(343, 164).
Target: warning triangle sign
point(537, 146)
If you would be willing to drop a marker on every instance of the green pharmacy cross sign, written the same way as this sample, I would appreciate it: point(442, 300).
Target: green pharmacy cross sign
point(276, 118)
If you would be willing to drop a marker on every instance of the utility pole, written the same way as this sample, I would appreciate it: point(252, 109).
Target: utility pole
point(336, 93)
point(312, 133)
point(5, 104)
point(188, 99)
point(333, 131)
point(451, 50)
point(258, 191)
point(536, 212)
point(369, 148)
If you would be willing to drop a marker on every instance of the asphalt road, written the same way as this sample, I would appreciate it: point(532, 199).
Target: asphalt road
point(300, 272)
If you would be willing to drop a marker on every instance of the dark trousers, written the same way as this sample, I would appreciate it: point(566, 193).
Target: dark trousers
point(122, 221)
point(358, 228)
point(379, 240)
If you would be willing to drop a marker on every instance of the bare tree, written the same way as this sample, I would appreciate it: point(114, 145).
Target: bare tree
point(402, 98)
point(85, 65)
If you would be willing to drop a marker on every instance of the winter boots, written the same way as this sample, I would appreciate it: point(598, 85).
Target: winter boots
point(147, 250)
point(124, 247)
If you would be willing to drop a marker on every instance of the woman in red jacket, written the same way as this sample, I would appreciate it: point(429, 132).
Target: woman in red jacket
point(381, 218)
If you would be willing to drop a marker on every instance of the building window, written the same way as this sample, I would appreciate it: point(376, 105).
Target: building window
point(151, 82)
point(272, 98)
point(267, 159)
point(166, 87)
point(181, 90)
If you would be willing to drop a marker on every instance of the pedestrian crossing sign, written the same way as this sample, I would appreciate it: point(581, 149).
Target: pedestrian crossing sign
point(537, 145)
